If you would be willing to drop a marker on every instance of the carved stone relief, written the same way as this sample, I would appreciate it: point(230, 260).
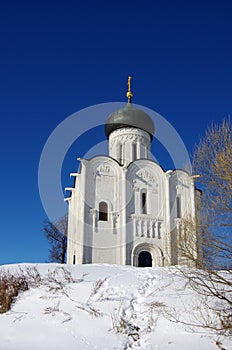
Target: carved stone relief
point(147, 176)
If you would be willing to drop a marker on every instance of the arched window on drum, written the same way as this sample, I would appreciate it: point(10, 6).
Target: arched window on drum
point(103, 211)
point(119, 153)
point(144, 202)
point(134, 151)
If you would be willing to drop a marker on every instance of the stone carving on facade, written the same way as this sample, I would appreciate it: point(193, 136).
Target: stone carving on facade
point(130, 137)
point(115, 217)
point(136, 189)
point(104, 170)
point(147, 176)
point(134, 131)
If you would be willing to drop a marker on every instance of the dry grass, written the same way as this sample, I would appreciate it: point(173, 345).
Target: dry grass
point(10, 286)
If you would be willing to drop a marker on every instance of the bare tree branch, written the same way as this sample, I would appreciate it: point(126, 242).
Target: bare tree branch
point(56, 234)
point(212, 160)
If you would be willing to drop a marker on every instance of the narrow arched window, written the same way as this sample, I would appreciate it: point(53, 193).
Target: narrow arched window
point(134, 151)
point(119, 153)
point(145, 152)
point(144, 203)
point(178, 207)
point(103, 211)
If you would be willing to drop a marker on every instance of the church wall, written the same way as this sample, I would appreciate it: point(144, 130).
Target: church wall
point(182, 206)
point(103, 184)
point(128, 226)
point(76, 222)
point(148, 183)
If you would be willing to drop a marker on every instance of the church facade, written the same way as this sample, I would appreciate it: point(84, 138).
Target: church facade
point(124, 208)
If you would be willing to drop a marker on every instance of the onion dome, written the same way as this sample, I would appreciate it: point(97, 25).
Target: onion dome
point(129, 116)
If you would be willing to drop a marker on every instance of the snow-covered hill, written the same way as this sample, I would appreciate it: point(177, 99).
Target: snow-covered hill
point(106, 307)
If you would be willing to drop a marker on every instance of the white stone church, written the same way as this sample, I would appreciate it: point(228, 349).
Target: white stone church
point(124, 208)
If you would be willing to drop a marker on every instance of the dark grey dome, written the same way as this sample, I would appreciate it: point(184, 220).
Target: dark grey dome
point(129, 116)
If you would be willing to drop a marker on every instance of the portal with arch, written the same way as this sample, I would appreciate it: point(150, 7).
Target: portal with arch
point(147, 255)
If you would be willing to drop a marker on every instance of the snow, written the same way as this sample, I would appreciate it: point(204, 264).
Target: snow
point(106, 307)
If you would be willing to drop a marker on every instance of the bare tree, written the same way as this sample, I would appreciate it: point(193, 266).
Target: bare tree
point(56, 234)
point(212, 160)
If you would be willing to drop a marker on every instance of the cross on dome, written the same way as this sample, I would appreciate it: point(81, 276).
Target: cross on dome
point(129, 94)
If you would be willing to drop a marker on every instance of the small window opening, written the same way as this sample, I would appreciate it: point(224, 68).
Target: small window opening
point(144, 203)
point(119, 153)
point(74, 259)
point(146, 152)
point(178, 207)
point(134, 151)
point(103, 211)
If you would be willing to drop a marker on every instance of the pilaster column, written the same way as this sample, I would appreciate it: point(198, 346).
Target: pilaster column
point(114, 221)
point(93, 212)
point(157, 229)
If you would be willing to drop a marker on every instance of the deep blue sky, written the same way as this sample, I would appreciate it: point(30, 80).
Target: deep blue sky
point(58, 57)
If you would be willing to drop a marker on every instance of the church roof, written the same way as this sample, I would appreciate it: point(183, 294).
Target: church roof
point(129, 116)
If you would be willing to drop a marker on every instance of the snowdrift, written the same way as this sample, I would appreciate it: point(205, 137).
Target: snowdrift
point(106, 307)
